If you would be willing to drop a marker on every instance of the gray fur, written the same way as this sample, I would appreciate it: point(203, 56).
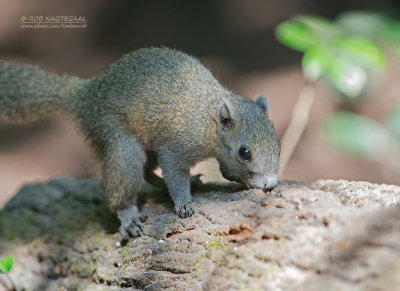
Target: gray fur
point(28, 93)
point(153, 106)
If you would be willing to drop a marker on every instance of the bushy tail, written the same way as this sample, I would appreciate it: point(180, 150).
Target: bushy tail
point(29, 93)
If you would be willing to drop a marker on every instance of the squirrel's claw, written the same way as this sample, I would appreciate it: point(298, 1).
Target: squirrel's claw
point(143, 217)
point(131, 230)
point(131, 225)
point(185, 210)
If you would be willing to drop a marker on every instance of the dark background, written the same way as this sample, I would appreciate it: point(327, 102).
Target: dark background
point(235, 39)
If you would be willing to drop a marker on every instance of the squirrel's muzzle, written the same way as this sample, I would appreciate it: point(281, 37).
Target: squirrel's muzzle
point(268, 187)
point(265, 183)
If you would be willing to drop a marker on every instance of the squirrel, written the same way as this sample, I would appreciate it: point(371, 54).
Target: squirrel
point(154, 106)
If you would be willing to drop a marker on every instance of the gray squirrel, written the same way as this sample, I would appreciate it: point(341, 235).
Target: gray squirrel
point(154, 106)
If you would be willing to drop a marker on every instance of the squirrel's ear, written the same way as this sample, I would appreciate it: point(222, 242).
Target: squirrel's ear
point(263, 103)
point(225, 114)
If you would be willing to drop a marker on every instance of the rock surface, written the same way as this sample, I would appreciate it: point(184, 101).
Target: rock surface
point(327, 235)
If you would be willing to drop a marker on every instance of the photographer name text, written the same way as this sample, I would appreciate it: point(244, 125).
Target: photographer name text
point(52, 22)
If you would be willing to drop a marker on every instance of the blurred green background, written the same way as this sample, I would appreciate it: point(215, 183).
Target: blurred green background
point(347, 50)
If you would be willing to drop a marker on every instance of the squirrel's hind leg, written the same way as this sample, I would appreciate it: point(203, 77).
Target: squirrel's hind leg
point(123, 161)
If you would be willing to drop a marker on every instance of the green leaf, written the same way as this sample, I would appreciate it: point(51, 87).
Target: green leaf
point(349, 79)
point(347, 61)
point(322, 27)
point(295, 35)
point(392, 31)
point(304, 31)
point(328, 51)
point(6, 264)
point(355, 134)
point(314, 62)
point(393, 121)
point(361, 50)
point(368, 24)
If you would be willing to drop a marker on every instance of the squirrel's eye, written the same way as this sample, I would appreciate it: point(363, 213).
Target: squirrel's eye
point(245, 154)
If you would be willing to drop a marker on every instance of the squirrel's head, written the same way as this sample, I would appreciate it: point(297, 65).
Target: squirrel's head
point(248, 148)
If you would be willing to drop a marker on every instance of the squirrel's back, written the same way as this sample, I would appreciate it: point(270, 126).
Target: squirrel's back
point(154, 92)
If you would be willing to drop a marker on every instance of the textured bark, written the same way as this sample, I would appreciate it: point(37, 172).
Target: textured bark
point(327, 235)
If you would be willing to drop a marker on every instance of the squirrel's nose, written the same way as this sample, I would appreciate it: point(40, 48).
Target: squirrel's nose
point(271, 184)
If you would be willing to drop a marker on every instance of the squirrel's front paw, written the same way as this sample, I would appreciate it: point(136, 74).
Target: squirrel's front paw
point(131, 230)
point(184, 210)
point(131, 225)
